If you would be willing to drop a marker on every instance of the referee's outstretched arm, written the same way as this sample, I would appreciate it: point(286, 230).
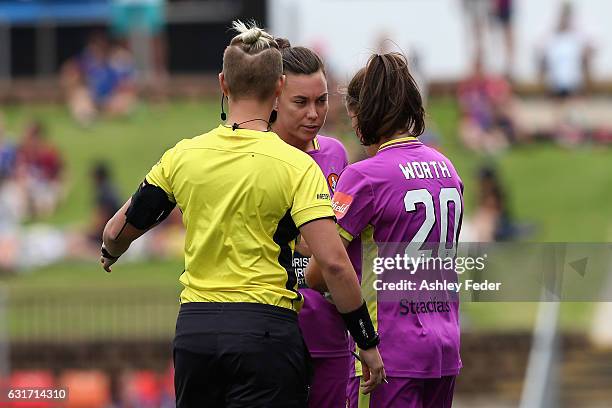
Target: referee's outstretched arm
point(148, 207)
point(117, 237)
point(326, 246)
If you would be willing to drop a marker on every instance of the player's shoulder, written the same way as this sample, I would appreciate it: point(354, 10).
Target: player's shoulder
point(331, 144)
point(361, 170)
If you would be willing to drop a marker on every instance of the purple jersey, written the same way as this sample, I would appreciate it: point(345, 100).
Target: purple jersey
point(407, 193)
point(323, 329)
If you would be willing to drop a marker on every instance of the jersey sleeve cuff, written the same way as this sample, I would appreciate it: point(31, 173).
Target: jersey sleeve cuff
point(309, 214)
point(345, 234)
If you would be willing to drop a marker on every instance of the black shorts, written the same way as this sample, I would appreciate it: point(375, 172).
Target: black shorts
point(239, 355)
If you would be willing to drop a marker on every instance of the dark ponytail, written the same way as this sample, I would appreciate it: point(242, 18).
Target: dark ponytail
point(299, 60)
point(386, 99)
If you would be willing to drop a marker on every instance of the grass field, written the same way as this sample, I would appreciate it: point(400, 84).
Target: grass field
point(565, 193)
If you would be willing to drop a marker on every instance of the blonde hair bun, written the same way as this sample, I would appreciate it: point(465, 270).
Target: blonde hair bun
point(252, 36)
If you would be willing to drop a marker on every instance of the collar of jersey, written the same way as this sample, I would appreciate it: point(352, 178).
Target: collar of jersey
point(402, 141)
point(315, 143)
point(222, 129)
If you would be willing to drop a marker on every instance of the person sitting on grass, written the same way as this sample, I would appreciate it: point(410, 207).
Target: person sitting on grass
point(99, 81)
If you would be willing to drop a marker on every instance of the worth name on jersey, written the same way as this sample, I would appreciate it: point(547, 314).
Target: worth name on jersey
point(425, 170)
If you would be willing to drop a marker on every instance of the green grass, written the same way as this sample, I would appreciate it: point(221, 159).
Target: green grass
point(566, 193)
point(75, 275)
point(130, 146)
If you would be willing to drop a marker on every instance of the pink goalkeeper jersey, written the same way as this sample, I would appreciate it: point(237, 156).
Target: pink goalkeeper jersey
point(323, 328)
point(407, 193)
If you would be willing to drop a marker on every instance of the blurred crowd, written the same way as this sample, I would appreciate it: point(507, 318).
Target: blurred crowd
point(32, 187)
point(99, 81)
point(104, 81)
point(31, 172)
point(494, 117)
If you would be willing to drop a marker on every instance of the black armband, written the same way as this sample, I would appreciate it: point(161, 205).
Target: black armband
point(150, 205)
point(360, 326)
point(105, 254)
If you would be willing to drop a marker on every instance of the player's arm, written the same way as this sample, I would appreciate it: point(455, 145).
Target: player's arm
point(148, 207)
point(302, 247)
point(314, 274)
point(117, 237)
point(333, 263)
point(312, 213)
point(352, 203)
point(337, 270)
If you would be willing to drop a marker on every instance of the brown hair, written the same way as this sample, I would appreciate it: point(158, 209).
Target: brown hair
point(299, 60)
point(386, 99)
point(252, 63)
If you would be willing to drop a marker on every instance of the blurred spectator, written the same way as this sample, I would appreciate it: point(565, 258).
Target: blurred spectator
point(139, 25)
point(11, 213)
point(565, 71)
point(476, 13)
point(101, 79)
point(502, 13)
point(487, 112)
point(492, 221)
point(565, 58)
point(166, 241)
point(8, 152)
point(39, 170)
point(106, 203)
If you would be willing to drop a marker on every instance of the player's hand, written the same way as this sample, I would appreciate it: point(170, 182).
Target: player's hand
point(106, 263)
point(373, 369)
point(106, 260)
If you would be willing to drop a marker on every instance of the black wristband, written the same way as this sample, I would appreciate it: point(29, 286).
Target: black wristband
point(107, 255)
point(360, 326)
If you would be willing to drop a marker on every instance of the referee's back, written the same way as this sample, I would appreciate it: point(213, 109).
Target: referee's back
point(243, 194)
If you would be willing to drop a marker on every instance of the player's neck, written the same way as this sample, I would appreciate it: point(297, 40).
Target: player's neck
point(245, 110)
point(296, 142)
point(384, 140)
point(302, 145)
point(375, 147)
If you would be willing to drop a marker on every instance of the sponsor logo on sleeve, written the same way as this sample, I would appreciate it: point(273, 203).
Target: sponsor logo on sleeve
point(323, 196)
point(341, 203)
point(332, 180)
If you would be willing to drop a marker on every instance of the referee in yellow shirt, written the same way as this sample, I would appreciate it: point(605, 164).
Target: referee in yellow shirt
point(245, 195)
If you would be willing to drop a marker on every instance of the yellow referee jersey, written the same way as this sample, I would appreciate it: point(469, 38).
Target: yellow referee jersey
point(243, 195)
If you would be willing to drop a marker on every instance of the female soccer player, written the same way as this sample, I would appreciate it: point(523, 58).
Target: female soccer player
point(245, 195)
point(302, 108)
point(404, 192)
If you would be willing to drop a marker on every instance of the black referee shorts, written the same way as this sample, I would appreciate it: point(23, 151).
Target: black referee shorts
point(239, 355)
